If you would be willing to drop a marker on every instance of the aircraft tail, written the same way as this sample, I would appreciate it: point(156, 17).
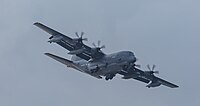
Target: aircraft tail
point(69, 63)
point(61, 60)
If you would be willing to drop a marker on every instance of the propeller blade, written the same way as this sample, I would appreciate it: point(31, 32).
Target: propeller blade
point(99, 42)
point(156, 72)
point(148, 67)
point(85, 39)
point(82, 33)
point(102, 47)
point(153, 67)
point(77, 34)
point(94, 44)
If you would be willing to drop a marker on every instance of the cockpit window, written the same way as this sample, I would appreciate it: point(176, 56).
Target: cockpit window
point(130, 53)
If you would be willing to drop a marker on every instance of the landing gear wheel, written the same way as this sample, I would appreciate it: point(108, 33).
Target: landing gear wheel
point(109, 77)
point(106, 78)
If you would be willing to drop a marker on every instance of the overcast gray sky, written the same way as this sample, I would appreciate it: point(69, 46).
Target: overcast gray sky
point(165, 33)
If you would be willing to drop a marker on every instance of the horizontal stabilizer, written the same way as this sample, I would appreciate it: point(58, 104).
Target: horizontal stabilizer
point(60, 59)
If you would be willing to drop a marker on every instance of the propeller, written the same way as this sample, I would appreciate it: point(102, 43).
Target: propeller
point(98, 47)
point(80, 37)
point(151, 70)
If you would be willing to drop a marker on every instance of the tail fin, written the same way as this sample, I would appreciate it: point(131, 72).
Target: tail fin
point(62, 60)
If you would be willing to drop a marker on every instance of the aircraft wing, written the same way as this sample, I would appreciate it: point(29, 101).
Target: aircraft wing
point(155, 81)
point(166, 83)
point(51, 31)
point(136, 78)
point(68, 43)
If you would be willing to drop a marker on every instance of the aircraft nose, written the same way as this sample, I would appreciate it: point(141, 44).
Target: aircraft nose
point(132, 59)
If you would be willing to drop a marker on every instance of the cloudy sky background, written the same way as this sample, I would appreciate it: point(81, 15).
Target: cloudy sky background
point(165, 33)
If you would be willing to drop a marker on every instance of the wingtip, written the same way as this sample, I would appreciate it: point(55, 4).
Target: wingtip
point(177, 86)
point(48, 54)
point(36, 23)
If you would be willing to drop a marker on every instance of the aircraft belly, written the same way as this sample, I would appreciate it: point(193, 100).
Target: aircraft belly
point(83, 68)
point(111, 69)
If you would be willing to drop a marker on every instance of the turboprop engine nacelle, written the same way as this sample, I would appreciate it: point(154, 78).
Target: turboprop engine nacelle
point(153, 84)
point(55, 39)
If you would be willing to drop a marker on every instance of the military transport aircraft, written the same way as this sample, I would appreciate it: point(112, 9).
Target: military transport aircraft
point(93, 61)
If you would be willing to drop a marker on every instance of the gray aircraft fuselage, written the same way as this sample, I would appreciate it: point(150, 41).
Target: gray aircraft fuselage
point(108, 65)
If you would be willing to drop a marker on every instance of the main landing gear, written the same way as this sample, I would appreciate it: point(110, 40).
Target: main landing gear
point(109, 77)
